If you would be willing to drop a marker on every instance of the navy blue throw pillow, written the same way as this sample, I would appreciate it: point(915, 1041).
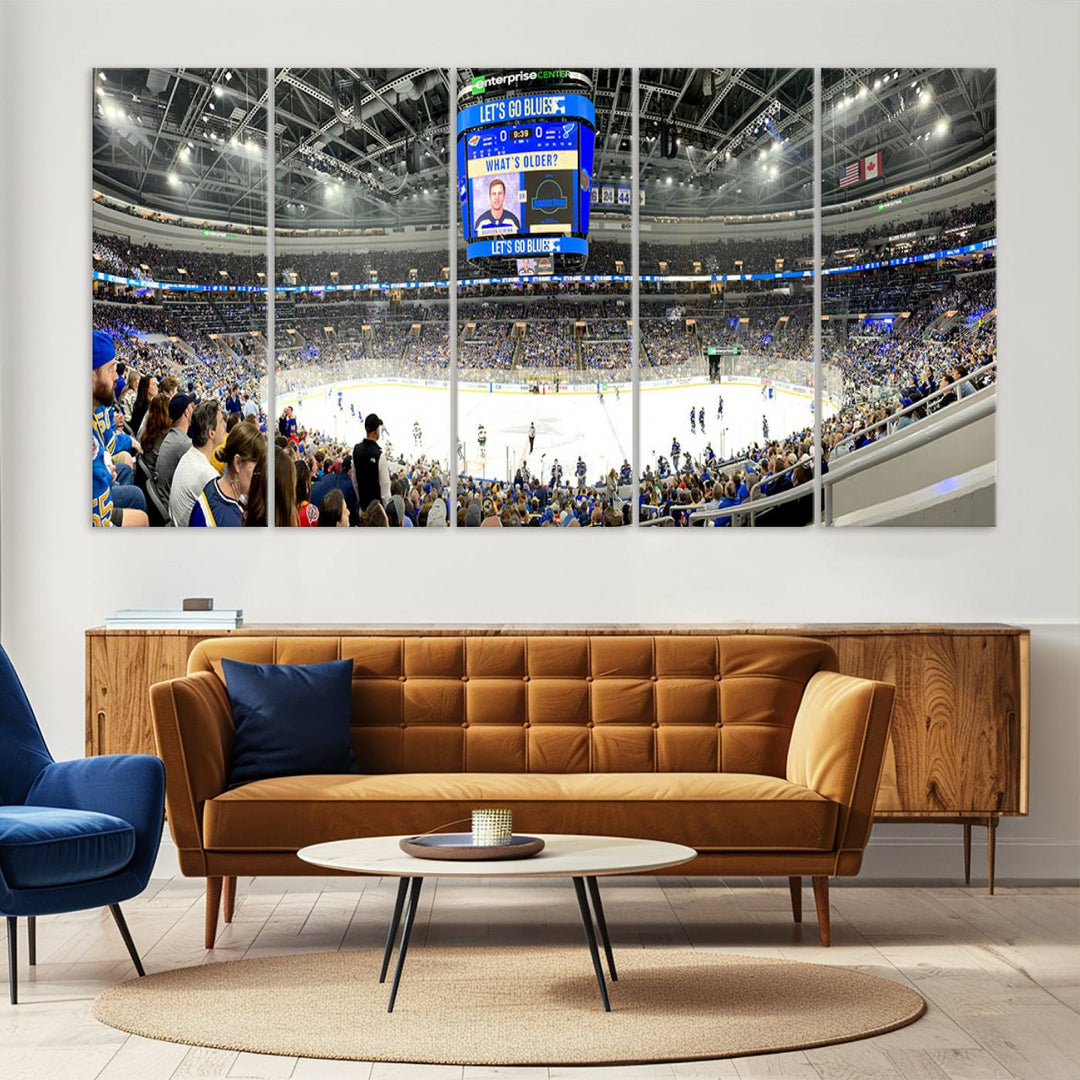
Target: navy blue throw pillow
point(290, 719)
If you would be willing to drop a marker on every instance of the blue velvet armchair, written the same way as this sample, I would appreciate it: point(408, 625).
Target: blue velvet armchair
point(73, 834)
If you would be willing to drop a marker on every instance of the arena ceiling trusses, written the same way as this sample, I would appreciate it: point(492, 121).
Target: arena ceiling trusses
point(369, 147)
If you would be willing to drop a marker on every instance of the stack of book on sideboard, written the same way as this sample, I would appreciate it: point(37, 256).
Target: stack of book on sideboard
point(175, 619)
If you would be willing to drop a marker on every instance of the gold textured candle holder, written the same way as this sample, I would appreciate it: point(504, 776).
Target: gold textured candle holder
point(491, 828)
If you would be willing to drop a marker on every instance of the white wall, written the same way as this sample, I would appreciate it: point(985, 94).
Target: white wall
point(59, 577)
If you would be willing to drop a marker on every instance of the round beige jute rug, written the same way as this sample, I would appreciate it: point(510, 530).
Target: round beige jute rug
point(510, 1006)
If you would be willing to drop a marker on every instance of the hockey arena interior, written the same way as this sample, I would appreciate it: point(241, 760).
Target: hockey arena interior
point(716, 419)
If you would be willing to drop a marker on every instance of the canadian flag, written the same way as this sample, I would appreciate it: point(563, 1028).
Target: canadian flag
point(871, 166)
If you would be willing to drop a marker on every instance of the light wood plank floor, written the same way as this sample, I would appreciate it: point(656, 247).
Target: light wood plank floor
point(1001, 973)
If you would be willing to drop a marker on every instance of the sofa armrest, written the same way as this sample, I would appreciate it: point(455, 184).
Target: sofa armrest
point(193, 729)
point(837, 749)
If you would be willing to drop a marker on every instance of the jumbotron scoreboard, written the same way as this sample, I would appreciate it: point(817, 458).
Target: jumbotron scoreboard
point(525, 144)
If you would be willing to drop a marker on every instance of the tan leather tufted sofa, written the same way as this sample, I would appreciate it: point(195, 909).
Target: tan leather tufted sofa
point(751, 749)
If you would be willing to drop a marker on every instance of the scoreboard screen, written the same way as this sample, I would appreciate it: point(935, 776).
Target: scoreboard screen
point(524, 174)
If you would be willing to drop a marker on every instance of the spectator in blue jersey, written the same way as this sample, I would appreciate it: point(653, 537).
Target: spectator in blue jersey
point(221, 503)
point(580, 471)
point(287, 423)
point(196, 468)
point(344, 482)
point(233, 405)
point(497, 217)
point(104, 513)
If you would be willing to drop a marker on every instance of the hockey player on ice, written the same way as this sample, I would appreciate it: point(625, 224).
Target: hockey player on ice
point(532, 436)
point(701, 419)
point(417, 434)
point(720, 408)
point(765, 426)
point(481, 439)
point(676, 450)
point(693, 422)
point(579, 472)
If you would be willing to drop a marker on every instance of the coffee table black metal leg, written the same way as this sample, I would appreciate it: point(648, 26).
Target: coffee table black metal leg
point(590, 934)
point(598, 908)
point(395, 922)
point(403, 948)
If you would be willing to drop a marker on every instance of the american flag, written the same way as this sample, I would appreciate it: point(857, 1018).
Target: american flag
point(850, 175)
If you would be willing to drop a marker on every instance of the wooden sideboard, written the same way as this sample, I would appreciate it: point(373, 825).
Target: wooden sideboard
point(959, 748)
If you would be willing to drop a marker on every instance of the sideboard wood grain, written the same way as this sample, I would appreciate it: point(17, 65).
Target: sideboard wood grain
point(959, 748)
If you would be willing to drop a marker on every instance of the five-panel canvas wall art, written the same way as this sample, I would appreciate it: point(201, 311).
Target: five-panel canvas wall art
point(664, 298)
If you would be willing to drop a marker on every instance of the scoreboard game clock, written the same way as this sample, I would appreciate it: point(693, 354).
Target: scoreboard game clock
point(525, 144)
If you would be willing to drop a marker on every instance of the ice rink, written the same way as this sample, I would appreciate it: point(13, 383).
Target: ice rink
point(569, 423)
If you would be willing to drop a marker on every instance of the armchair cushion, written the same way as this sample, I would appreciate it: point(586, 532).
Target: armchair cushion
point(291, 719)
point(43, 846)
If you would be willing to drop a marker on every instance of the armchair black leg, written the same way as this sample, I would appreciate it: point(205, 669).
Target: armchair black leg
point(121, 925)
point(13, 957)
point(31, 938)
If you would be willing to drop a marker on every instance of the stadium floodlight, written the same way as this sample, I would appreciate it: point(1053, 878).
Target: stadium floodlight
point(100, 92)
point(174, 179)
point(669, 179)
point(925, 96)
point(218, 91)
point(887, 78)
point(772, 172)
point(775, 146)
point(877, 84)
point(228, 75)
point(896, 74)
point(110, 112)
point(761, 156)
point(252, 145)
point(234, 141)
point(862, 91)
point(942, 127)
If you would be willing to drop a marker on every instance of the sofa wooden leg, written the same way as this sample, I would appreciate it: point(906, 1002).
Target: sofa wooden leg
point(213, 906)
point(821, 899)
point(229, 898)
point(795, 885)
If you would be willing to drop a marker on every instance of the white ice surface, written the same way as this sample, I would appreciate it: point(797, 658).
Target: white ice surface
point(567, 424)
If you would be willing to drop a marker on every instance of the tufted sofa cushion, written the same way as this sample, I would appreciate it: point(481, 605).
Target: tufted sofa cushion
point(735, 811)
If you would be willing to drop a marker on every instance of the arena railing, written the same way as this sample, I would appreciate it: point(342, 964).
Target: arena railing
point(747, 513)
point(978, 406)
point(922, 403)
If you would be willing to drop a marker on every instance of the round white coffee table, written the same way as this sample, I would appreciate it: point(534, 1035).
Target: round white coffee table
point(583, 858)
